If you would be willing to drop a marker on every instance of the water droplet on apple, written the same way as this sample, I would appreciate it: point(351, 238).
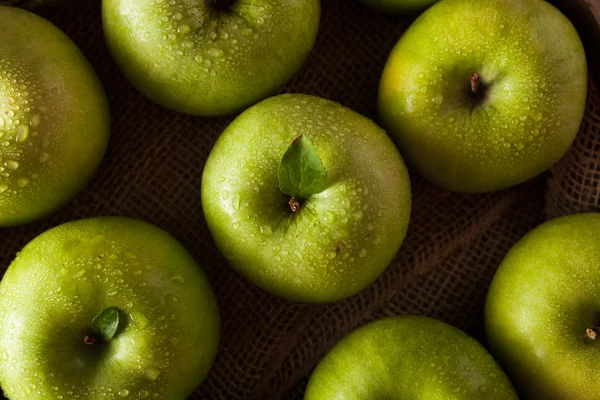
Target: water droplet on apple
point(152, 373)
point(124, 393)
point(357, 216)
point(12, 165)
point(362, 253)
point(216, 53)
point(225, 194)
point(246, 31)
point(329, 216)
point(236, 225)
point(538, 116)
point(34, 121)
point(520, 146)
point(236, 202)
point(523, 118)
point(139, 319)
point(483, 389)
point(298, 254)
point(173, 301)
point(3, 187)
point(22, 182)
point(44, 157)
point(177, 279)
point(22, 133)
point(266, 230)
point(183, 29)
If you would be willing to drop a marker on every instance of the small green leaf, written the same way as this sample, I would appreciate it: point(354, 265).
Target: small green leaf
point(106, 323)
point(301, 171)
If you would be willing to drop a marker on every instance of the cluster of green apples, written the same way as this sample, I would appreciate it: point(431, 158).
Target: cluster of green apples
point(306, 198)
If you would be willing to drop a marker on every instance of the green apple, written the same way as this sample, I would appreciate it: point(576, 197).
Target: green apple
point(54, 122)
point(105, 308)
point(334, 237)
point(398, 6)
point(481, 95)
point(408, 358)
point(542, 310)
point(210, 57)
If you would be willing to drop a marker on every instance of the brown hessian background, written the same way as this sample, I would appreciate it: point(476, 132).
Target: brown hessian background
point(269, 346)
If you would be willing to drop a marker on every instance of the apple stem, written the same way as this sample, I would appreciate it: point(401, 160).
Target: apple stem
point(294, 204)
point(475, 81)
point(591, 333)
point(90, 340)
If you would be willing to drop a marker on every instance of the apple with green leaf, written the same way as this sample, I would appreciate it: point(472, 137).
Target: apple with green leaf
point(210, 57)
point(105, 308)
point(306, 198)
point(542, 314)
point(481, 95)
point(54, 122)
point(409, 358)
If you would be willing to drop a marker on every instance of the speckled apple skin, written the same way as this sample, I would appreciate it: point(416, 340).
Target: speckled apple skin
point(544, 296)
point(531, 59)
point(54, 122)
point(192, 58)
point(169, 329)
point(409, 358)
point(343, 238)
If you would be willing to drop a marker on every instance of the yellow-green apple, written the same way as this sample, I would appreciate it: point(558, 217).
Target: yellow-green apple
point(210, 57)
point(105, 308)
point(542, 310)
point(54, 122)
point(409, 358)
point(306, 198)
point(481, 95)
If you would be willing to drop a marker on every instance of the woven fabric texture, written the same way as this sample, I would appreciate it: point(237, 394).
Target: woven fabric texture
point(269, 346)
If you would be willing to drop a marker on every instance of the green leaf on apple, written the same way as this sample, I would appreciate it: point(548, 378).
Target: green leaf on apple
point(301, 171)
point(106, 323)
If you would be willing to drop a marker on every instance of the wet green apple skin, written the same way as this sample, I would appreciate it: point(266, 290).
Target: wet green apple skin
point(343, 238)
point(532, 60)
point(54, 122)
point(541, 301)
point(193, 58)
point(398, 6)
point(62, 279)
point(408, 358)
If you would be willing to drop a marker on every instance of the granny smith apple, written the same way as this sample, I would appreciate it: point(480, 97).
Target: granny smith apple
point(210, 57)
point(306, 198)
point(398, 6)
point(105, 308)
point(481, 95)
point(542, 310)
point(408, 358)
point(54, 122)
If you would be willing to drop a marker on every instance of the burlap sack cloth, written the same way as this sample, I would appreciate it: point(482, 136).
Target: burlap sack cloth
point(269, 346)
